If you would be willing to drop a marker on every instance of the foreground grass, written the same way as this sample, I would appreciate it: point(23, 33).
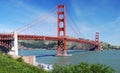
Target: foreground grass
point(10, 65)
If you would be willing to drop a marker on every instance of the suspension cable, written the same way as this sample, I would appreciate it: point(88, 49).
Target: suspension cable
point(38, 20)
point(73, 22)
point(71, 26)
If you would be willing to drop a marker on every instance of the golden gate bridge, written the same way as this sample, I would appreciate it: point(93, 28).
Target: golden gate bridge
point(10, 41)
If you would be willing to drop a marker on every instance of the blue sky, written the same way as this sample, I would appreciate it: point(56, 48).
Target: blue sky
point(88, 15)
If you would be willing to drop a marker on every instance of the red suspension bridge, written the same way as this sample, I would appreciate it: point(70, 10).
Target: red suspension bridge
point(10, 41)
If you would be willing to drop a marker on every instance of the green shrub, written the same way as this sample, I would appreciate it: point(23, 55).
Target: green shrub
point(99, 68)
point(20, 59)
point(83, 68)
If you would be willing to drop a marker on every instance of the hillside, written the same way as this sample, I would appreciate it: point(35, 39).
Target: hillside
point(10, 65)
point(108, 46)
point(70, 45)
point(53, 45)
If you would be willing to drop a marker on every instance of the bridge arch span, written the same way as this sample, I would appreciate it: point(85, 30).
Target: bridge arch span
point(5, 45)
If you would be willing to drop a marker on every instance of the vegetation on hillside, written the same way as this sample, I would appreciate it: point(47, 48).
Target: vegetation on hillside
point(10, 65)
point(53, 45)
point(38, 44)
point(70, 45)
point(83, 68)
point(108, 46)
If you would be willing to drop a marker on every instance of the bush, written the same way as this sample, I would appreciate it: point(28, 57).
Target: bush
point(99, 68)
point(83, 68)
point(20, 59)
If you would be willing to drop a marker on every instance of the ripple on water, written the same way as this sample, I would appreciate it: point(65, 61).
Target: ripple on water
point(110, 58)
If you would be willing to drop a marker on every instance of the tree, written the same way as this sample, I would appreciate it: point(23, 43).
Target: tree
point(83, 68)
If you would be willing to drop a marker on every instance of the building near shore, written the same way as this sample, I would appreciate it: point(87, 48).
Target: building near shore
point(30, 59)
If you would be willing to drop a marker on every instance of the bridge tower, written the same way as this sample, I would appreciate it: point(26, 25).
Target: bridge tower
point(97, 41)
point(14, 49)
point(61, 48)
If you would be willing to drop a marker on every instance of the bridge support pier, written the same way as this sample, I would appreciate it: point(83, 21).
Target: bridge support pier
point(14, 49)
point(61, 48)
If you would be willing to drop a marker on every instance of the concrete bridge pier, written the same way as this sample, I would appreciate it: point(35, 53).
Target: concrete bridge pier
point(14, 49)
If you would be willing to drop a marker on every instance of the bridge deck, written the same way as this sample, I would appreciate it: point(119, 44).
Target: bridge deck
point(37, 37)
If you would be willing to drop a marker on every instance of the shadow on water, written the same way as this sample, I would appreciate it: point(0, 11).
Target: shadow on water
point(76, 51)
point(46, 55)
point(3, 49)
point(54, 55)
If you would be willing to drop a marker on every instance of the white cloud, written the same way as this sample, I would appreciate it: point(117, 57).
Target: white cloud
point(23, 5)
point(85, 28)
point(47, 20)
point(34, 11)
point(88, 31)
point(75, 8)
point(109, 31)
point(32, 15)
point(5, 29)
point(111, 26)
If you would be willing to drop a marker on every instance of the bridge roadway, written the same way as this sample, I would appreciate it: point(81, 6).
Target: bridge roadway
point(9, 37)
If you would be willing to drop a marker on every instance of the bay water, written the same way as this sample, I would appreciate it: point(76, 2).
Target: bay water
point(109, 57)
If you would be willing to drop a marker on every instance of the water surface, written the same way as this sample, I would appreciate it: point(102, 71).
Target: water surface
point(110, 58)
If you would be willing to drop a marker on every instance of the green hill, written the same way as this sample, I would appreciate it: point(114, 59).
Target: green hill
point(10, 65)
